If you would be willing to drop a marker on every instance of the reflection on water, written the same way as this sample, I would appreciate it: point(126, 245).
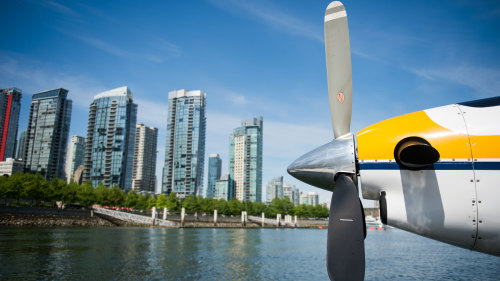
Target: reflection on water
point(223, 254)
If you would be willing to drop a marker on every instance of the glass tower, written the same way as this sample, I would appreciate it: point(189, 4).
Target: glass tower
point(222, 187)
point(10, 106)
point(109, 151)
point(185, 144)
point(292, 192)
point(47, 133)
point(143, 175)
point(274, 189)
point(74, 156)
point(21, 145)
point(245, 160)
point(214, 171)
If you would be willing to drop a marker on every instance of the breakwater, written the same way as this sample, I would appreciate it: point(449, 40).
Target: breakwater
point(42, 217)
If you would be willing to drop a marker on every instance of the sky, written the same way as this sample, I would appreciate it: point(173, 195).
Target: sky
point(251, 58)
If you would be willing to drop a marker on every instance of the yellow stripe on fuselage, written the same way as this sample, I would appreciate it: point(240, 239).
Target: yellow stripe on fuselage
point(378, 141)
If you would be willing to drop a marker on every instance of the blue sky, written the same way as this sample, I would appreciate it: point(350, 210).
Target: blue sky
point(252, 58)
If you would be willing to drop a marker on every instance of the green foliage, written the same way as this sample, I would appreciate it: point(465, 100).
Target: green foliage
point(142, 202)
point(222, 207)
point(161, 201)
point(86, 194)
point(34, 188)
point(235, 207)
point(190, 204)
point(173, 203)
point(116, 196)
point(132, 199)
point(207, 205)
point(151, 202)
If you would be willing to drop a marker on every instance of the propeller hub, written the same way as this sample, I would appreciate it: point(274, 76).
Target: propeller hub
point(320, 166)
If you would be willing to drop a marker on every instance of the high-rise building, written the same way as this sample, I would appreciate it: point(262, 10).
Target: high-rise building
point(11, 166)
point(245, 160)
point(10, 106)
point(109, 151)
point(311, 198)
point(74, 156)
point(292, 192)
point(185, 145)
point(214, 171)
point(222, 187)
point(47, 133)
point(274, 189)
point(21, 145)
point(144, 170)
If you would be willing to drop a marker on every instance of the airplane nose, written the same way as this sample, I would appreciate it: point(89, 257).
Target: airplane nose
point(319, 166)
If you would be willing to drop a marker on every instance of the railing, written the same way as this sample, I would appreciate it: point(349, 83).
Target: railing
point(135, 218)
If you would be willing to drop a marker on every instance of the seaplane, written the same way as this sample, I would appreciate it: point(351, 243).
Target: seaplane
point(434, 172)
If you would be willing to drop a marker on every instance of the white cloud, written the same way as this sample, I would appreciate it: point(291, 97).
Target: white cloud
point(273, 16)
point(484, 81)
point(152, 113)
point(60, 8)
point(32, 79)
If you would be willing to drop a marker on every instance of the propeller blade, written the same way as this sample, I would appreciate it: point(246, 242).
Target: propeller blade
point(338, 67)
point(345, 256)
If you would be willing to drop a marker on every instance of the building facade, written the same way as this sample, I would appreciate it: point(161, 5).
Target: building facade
point(310, 198)
point(21, 145)
point(214, 172)
point(109, 148)
point(144, 170)
point(292, 192)
point(222, 186)
point(11, 166)
point(10, 106)
point(47, 133)
point(245, 160)
point(185, 143)
point(274, 189)
point(74, 156)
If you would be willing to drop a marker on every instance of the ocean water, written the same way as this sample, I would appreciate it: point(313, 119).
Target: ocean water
point(223, 254)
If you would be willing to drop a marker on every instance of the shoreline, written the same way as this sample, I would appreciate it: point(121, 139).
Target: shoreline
point(47, 217)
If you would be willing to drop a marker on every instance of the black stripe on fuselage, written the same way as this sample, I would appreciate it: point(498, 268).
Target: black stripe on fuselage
point(488, 102)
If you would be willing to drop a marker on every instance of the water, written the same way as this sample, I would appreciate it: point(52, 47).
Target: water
point(223, 254)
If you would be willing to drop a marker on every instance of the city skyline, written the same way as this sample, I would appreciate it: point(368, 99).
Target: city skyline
point(273, 65)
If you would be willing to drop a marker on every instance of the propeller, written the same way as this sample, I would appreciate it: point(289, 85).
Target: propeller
point(338, 67)
point(333, 165)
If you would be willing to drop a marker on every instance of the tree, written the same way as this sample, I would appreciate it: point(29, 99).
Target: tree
point(131, 199)
point(173, 204)
point(190, 204)
point(235, 207)
point(86, 194)
point(116, 196)
point(302, 211)
point(102, 195)
point(258, 208)
point(151, 202)
point(3, 186)
point(142, 202)
point(14, 186)
point(221, 207)
point(161, 201)
point(207, 205)
point(69, 193)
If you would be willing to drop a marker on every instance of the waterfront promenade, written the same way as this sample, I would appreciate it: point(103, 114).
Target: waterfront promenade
point(31, 216)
